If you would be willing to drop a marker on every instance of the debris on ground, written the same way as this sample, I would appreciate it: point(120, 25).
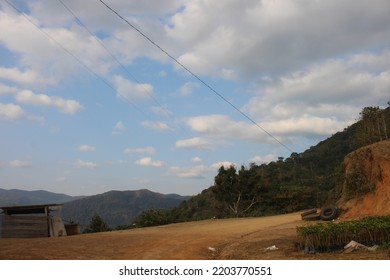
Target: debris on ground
point(212, 249)
point(328, 213)
point(353, 246)
point(271, 248)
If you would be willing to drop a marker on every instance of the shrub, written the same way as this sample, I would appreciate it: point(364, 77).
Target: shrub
point(331, 236)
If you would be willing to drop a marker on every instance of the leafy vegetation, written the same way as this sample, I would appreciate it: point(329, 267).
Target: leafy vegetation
point(373, 125)
point(329, 236)
point(153, 217)
point(357, 182)
point(97, 224)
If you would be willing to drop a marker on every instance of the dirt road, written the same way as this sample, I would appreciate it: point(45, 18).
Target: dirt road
point(211, 239)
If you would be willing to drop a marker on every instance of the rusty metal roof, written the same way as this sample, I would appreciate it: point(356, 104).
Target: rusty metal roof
point(28, 209)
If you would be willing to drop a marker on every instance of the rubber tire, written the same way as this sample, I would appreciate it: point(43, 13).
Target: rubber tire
point(308, 212)
point(312, 217)
point(328, 213)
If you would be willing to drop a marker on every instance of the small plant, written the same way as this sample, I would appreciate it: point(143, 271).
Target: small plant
point(331, 236)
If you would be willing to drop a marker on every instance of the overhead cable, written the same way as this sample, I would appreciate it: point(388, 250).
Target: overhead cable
point(194, 75)
point(75, 57)
point(146, 89)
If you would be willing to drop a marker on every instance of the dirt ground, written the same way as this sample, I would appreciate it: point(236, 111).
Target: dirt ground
point(240, 239)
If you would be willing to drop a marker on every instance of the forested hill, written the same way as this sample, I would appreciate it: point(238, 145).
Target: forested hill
point(117, 207)
point(303, 180)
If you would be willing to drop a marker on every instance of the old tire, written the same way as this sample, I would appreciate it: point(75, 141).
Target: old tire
point(328, 213)
point(311, 217)
point(308, 212)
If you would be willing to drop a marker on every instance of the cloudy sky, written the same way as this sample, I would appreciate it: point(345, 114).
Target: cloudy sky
point(88, 105)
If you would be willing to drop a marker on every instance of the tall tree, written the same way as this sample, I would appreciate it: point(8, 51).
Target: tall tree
point(97, 224)
point(235, 192)
point(373, 125)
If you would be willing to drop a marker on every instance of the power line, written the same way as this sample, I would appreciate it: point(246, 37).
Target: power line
point(75, 57)
point(112, 55)
point(107, 50)
point(194, 75)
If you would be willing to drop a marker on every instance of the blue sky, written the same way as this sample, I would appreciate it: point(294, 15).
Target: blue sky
point(92, 107)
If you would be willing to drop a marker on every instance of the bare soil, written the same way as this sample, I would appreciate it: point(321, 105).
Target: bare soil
point(375, 164)
point(240, 239)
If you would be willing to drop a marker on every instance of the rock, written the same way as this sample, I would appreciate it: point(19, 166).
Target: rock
point(353, 246)
point(271, 248)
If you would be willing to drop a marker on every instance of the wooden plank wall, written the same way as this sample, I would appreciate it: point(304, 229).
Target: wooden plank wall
point(24, 226)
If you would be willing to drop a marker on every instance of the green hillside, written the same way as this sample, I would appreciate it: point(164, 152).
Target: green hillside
point(117, 207)
point(304, 180)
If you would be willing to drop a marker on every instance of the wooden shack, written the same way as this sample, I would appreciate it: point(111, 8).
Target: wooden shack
point(31, 221)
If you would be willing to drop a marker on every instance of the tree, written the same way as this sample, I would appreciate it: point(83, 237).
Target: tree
point(235, 192)
point(153, 217)
point(97, 224)
point(373, 125)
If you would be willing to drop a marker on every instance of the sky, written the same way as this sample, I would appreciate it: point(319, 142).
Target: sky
point(88, 104)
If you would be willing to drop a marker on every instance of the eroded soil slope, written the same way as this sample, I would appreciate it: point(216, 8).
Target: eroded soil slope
point(369, 171)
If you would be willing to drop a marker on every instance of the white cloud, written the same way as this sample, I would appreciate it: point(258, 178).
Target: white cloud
point(85, 164)
point(322, 99)
point(224, 128)
point(196, 159)
point(225, 164)
point(196, 172)
point(158, 126)
point(274, 36)
point(161, 110)
point(187, 88)
point(285, 121)
point(321, 84)
point(14, 112)
point(228, 74)
point(262, 159)
point(199, 171)
point(19, 164)
point(86, 148)
point(148, 161)
point(4, 89)
point(305, 125)
point(132, 92)
point(63, 105)
point(23, 77)
point(40, 49)
point(11, 112)
point(144, 150)
point(119, 128)
point(194, 143)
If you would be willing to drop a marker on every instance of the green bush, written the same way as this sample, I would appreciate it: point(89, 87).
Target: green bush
point(97, 224)
point(329, 236)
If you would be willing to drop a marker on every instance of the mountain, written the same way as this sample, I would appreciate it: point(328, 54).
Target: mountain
point(117, 207)
point(20, 197)
point(313, 178)
point(114, 207)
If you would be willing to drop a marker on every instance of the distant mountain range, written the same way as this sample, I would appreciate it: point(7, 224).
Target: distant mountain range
point(16, 197)
point(117, 207)
point(114, 207)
